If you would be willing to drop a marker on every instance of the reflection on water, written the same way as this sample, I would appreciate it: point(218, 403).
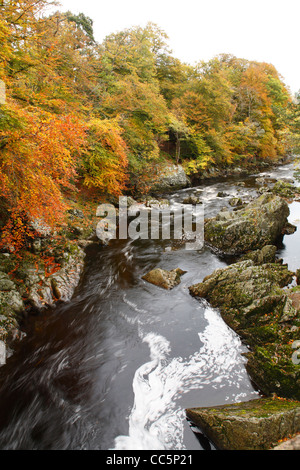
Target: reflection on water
point(116, 367)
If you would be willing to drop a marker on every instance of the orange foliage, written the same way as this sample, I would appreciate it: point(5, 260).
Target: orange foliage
point(36, 162)
point(106, 160)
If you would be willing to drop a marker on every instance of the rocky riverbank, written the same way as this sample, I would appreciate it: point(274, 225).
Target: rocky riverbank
point(45, 272)
point(255, 425)
point(258, 297)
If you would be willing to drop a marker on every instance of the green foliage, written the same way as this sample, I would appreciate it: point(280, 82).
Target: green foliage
point(109, 112)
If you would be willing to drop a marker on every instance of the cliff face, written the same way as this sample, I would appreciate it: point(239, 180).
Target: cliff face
point(47, 270)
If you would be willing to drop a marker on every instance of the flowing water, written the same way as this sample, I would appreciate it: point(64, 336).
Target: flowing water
point(116, 366)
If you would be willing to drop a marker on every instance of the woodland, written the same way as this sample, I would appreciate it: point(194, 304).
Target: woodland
point(104, 116)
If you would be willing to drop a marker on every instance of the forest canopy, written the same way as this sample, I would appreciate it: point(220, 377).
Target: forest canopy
point(77, 112)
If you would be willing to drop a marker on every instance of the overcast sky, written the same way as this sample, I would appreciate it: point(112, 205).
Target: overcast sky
point(261, 30)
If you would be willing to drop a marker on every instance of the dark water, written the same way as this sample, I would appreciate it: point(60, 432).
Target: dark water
point(116, 367)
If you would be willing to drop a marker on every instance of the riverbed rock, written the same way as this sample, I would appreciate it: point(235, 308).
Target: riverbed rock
point(192, 200)
point(44, 289)
point(2, 353)
point(11, 306)
point(266, 255)
point(254, 425)
point(286, 189)
point(235, 202)
point(170, 178)
point(163, 278)
point(259, 223)
point(289, 444)
point(254, 302)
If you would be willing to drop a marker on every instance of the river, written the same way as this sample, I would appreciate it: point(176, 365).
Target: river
point(116, 366)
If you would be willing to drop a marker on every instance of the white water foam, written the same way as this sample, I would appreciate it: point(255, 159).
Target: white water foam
point(156, 421)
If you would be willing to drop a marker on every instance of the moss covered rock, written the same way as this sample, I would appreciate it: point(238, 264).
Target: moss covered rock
point(254, 302)
point(285, 189)
point(254, 425)
point(170, 178)
point(163, 278)
point(11, 306)
point(257, 224)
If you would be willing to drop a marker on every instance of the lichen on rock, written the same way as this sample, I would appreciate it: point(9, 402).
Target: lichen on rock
point(254, 425)
point(254, 302)
point(259, 223)
point(163, 278)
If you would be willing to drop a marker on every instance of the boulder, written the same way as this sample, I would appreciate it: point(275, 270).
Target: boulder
point(192, 200)
point(254, 302)
point(2, 353)
point(289, 444)
point(170, 178)
point(286, 189)
point(162, 278)
point(259, 223)
point(254, 425)
point(236, 202)
point(266, 255)
point(11, 306)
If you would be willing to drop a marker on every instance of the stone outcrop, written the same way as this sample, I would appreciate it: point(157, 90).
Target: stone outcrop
point(11, 308)
point(254, 302)
point(163, 278)
point(170, 178)
point(30, 284)
point(254, 425)
point(289, 444)
point(259, 223)
point(283, 187)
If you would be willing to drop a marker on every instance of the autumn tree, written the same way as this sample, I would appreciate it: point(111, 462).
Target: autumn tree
point(106, 157)
point(41, 133)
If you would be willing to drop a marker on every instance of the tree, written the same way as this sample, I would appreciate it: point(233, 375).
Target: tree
point(37, 161)
point(106, 157)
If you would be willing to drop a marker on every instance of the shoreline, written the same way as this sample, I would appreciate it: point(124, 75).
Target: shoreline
point(59, 283)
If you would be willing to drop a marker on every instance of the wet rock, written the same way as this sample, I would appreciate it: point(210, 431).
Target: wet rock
point(235, 202)
point(192, 200)
point(11, 305)
point(165, 279)
point(262, 180)
point(2, 353)
point(264, 190)
point(294, 296)
point(254, 302)
point(289, 444)
point(156, 203)
point(64, 281)
point(259, 223)
point(40, 284)
point(289, 229)
point(254, 425)
point(170, 178)
point(222, 194)
point(266, 255)
point(285, 189)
